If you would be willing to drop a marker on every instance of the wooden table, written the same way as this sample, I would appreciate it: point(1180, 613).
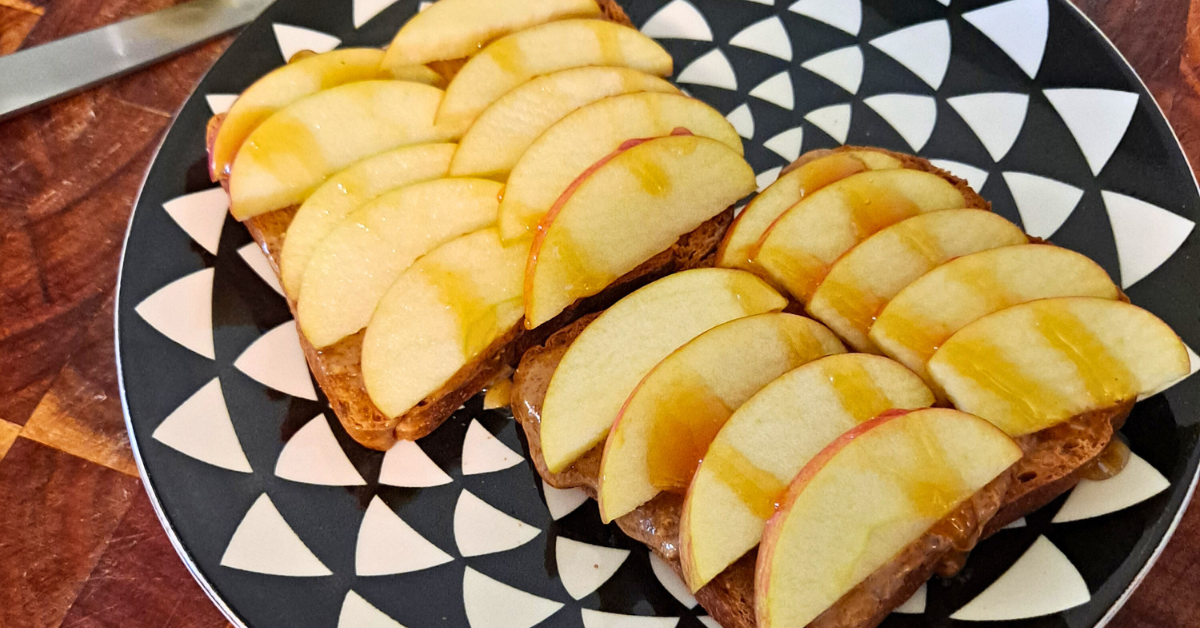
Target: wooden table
point(79, 543)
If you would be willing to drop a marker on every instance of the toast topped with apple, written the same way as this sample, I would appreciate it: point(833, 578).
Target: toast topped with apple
point(423, 245)
point(701, 435)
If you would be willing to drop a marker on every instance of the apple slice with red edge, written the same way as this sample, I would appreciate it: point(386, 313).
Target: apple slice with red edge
point(1035, 365)
point(628, 207)
point(666, 425)
point(798, 249)
point(862, 281)
point(863, 499)
point(789, 189)
point(769, 439)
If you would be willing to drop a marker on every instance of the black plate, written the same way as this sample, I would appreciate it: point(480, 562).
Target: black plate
point(1098, 171)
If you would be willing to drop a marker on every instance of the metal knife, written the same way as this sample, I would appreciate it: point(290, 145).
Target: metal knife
point(41, 74)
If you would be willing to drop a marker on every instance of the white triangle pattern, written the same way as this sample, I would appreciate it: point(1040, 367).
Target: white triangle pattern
point(201, 428)
point(671, 581)
point(480, 528)
point(1097, 119)
point(678, 20)
point(975, 177)
point(787, 144)
point(1136, 483)
point(777, 90)
point(424, 4)
point(201, 215)
point(600, 619)
point(709, 622)
point(257, 261)
point(1019, 523)
point(769, 3)
point(996, 118)
point(387, 545)
point(583, 567)
point(914, 605)
point(1019, 27)
point(842, 14)
point(313, 456)
point(911, 115)
point(1146, 235)
point(293, 39)
point(493, 604)
point(767, 36)
point(364, 10)
point(407, 465)
point(767, 177)
point(712, 69)
point(562, 501)
point(276, 360)
point(922, 48)
point(1044, 204)
point(834, 120)
point(843, 67)
point(182, 311)
point(359, 613)
point(1041, 582)
point(484, 453)
point(742, 121)
point(219, 103)
point(264, 543)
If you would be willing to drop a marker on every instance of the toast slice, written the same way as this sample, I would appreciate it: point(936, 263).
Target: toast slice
point(337, 368)
point(729, 598)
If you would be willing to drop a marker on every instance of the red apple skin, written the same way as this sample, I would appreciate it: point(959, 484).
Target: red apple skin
point(544, 225)
point(762, 577)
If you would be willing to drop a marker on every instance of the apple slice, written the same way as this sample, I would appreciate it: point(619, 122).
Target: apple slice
point(502, 133)
point(296, 149)
point(512, 60)
point(345, 192)
point(666, 425)
point(929, 310)
point(440, 315)
point(865, 497)
point(860, 284)
point(787, 190)
point(282, 87)
point(605, 363)
point(354, 266)
point(769, 439)
point(623, 211)
point(585, 136)
point(1034, 365)
point(414, 73)
point(453, 29)
point(797, 250)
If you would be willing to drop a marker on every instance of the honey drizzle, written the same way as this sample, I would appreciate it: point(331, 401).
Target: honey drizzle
point(759, 490)
point(288, 149)
point(686, 421)
point(858, 394)
point(609, 43)
point(873, 206)
point(508, 56)
point(1111, 461)
point(1106, 378)
point(852, 303)
point(478, 320)
point(982, 362)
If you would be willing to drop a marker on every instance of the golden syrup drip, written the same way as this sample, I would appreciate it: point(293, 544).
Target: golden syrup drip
point(498, 395)
point(508, 56)
point(585, 278)
point(853, 304)
point(982, 280)
point(859, 395)
point(910, 332)
point(288, 150)
point(873, 206)
point(982, 362)
point(928, 481)
point(800, 272)
point(609, 44)
point(1106, 378)
point(477, 320)
point(922, 243)
point(759, 490)
point(820, 173)
point(648, 172)
point(1110, 462)
point(685, 422)
point(301, 55)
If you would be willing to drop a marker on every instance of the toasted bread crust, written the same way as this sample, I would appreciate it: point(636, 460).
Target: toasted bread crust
point(729, 597)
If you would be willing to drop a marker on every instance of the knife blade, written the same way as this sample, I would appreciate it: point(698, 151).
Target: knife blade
point(41, 74)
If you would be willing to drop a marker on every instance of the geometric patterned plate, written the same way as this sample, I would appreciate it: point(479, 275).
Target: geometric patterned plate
point(285, 521)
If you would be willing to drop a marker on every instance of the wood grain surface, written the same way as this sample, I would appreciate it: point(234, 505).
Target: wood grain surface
point(79, 543)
